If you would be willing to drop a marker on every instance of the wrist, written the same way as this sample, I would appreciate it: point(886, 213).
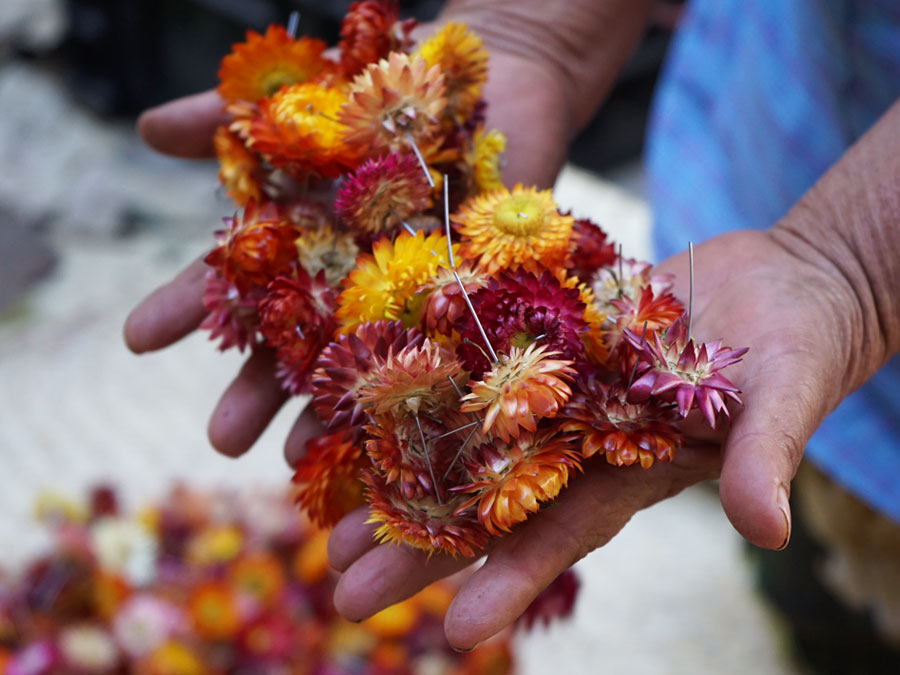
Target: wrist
point(847, 226)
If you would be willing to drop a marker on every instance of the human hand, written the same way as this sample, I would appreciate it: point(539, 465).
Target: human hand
point(547, 74)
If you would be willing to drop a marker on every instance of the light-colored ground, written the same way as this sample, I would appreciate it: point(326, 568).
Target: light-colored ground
point(671, 594)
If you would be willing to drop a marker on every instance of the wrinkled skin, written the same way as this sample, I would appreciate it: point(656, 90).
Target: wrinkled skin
point(799, 312)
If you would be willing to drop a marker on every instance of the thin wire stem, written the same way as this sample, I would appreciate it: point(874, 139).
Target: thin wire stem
point(293, 23)
point(415, 149)
point(437, 489)
point(691, 291)
point(459, 452)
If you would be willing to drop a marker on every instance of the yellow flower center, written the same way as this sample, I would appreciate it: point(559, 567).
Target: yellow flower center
point(520, 215)
point(273, 80)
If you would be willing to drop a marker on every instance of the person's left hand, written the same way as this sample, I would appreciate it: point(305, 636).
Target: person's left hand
point(750, 290)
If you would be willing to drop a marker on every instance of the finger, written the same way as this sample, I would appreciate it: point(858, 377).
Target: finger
point(169, 313)
point(306, 426)
point(782, 408)
point(585, 516)
point(184, 127)
point(247, 406)
point(350, 539)
point(388, 574)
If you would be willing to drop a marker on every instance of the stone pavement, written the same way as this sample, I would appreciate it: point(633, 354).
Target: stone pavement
point(671, 594)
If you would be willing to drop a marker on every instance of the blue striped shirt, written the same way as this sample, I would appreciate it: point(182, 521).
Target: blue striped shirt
point(758, 98)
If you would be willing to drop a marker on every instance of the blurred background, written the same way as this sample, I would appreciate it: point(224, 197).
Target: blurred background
point(90, 221)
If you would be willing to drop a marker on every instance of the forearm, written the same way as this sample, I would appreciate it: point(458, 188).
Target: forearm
point(583, 43)
point(849, 225)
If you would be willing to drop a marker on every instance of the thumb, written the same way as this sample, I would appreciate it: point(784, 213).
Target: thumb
point(784, 401)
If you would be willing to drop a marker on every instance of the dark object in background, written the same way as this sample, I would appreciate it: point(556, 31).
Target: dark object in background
point(128, 55)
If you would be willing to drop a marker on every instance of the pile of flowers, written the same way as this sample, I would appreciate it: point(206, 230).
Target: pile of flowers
point(467, 346)
point(211, 583)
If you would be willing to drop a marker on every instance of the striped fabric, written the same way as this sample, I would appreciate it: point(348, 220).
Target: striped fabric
point(757, 100)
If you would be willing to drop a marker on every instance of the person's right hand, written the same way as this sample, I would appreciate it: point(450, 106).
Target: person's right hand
point(550, 65)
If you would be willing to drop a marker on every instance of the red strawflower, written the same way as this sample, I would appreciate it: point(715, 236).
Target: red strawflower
point(518, 309)
point(395, 448)
point(445, 304)
point(343, 366)
point(624, 432)
point(589, 249)
point(326, 482)
point(678, 369)
point(297, 318)
point(232, 317)
point(257, 246)
point(424, 523)
point(382, 193)
point(369, 32)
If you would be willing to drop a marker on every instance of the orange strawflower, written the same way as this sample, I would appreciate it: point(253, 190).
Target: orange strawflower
point(171, 658)
point(391, 99)
point(510, 229)
point(462, 59)
point(326, 480)
point(520, 389)
point(265, 63)
point(298, 130)
point(239, 169)
point(512, 480)
point(386, 284)
point(624, 432)
point(257, 246)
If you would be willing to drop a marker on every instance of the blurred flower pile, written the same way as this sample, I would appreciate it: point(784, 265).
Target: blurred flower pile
point(211, 583)
point(466, 345)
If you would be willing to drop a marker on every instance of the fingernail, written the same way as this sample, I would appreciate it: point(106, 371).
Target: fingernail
point(463, 650)
point(783, 502)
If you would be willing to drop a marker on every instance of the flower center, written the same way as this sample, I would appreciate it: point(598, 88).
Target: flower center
point(275, 79)
point(519, 215)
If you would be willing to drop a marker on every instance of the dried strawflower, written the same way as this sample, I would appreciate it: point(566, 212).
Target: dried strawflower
point(461, 57)
point(326, 483)
point(511, 480)
point(484, 159)
point(523, 387)
point(298, 130)
point(589, 249)
point(256, 247)
point(240, 171)
point(678, 369)
point(518, 309)
point(425, 524)
point(297, 318)
point(506, 229)
point(624, 432)
point(392, 101)
point(369, 32)
point(386, 283)
point(417, 379)
point(325, 248)
point(265, 63)
point(232, 318)
point(382, 193)
point(445, 304)
point(344, 366)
